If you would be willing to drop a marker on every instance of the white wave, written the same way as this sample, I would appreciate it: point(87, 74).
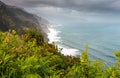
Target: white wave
point(53, 37)
point(68, 51)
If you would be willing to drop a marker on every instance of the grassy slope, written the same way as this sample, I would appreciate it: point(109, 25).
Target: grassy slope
point(28, 55)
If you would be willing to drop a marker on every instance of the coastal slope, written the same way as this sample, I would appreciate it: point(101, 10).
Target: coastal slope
point(12, 17)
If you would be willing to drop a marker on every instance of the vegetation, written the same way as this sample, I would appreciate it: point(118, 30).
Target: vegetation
point(29, 56)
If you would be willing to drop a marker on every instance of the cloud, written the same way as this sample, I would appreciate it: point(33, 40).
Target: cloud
point(103, 6)
point(72, 11)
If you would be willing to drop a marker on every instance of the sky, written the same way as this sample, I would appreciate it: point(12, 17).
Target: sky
point(72, 11)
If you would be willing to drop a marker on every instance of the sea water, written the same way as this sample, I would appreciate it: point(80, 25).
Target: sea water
point(103, 40)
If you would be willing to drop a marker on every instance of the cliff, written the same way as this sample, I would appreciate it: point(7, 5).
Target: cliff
point(12, 17)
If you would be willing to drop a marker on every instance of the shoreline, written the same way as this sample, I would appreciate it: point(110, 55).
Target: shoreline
point(53, 36)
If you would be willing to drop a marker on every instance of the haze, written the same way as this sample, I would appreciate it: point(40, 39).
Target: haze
point(72, 11)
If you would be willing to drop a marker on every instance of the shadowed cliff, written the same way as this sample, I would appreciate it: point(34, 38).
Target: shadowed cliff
point(12, 17)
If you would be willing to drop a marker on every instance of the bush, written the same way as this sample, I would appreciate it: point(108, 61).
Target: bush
point(28, 56)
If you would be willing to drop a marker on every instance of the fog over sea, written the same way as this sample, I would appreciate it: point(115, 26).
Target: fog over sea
point(103, 40)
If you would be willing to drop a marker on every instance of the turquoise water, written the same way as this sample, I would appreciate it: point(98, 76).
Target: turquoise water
point(102, 39)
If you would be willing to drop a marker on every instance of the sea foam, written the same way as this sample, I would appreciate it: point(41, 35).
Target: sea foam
point(53, 36)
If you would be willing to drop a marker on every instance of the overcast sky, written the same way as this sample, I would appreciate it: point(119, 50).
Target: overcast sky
point(72, 11)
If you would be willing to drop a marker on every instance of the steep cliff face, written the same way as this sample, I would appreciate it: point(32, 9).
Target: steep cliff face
point(15, 18)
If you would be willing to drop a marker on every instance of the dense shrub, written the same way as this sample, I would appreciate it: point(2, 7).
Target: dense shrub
point(28, 56)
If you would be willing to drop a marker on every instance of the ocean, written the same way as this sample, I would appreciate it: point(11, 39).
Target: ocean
point(103, 40)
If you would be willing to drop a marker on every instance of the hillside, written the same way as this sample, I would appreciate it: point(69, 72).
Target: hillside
point(28, 56)
point(15, 18)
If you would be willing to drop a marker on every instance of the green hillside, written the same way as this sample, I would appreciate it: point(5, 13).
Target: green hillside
point(28, 56)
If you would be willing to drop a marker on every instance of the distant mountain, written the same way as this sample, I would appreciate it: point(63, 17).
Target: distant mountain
point(12, 17)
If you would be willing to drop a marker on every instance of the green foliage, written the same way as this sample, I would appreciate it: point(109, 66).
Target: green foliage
point(28, 56)
point(37, 35)
point(95, 69)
